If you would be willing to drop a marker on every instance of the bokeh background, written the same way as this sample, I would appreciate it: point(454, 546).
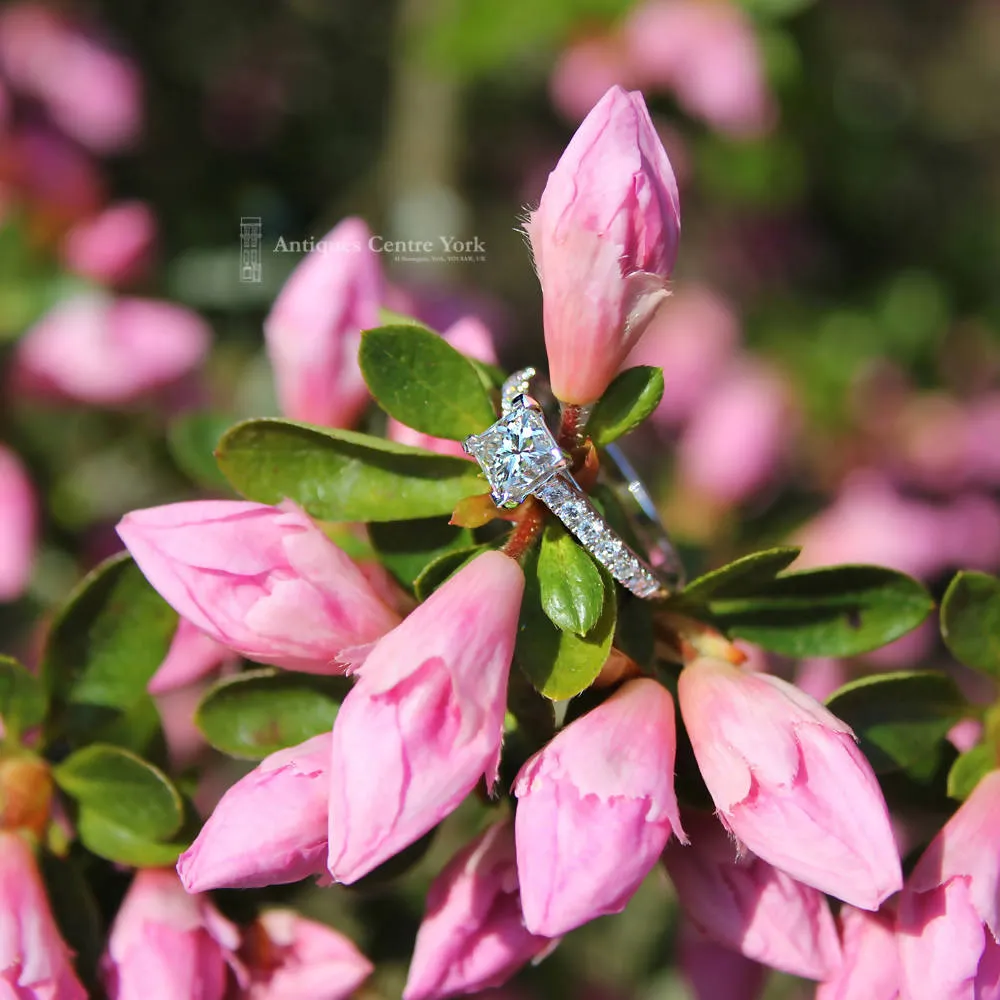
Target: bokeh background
point(831, 350)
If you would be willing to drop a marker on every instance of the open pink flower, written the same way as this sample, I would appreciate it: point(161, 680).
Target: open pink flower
point(35, 963)
point(789, 781)
point(949, 912)
point(473, 935)
point(424, 722)
point(264, 581)
point(115, 246)
point(596, 807)
point(314, 328)
point(604, 237)
point(269, 828)
point(748, 905)
point(18, 526)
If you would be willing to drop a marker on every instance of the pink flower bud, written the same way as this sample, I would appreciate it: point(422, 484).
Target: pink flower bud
point(165, 944)
point(949, 912)
point(424, 722)
point(300, 959)
point(714, 972)
point(34, 962)
point(105, 351)
point(789, 781)
point(870, 969)
point(595, 809)
point(314, 328)
point(264, 581)
point(18, 526)
point(604, 238)
point(747, 905)
point(269, 828)
point(113, 248)
point(473, 935)
point(192, 655)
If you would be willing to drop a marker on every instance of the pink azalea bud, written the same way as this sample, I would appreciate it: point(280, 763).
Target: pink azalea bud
point(35, 964)
point(949, 912)
point(105, 351)
point(264, 581)
point(424, 722)
point(18, 526)
point(269, 828)
point(300, 959)
point(870, 969)
point(165, 944)
point(738, 436)
point(192, 655)
point(789, 781)
point(472, 337)
point(595, 809)
point(473, 935)
point(604, 238)
point(314, 328)
point(113, 248)
point(714, 972)
point(745, 904)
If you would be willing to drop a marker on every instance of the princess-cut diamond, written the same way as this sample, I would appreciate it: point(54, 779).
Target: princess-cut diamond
point(517, 454)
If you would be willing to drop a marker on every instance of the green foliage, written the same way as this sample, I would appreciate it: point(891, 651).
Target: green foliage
point(438, 570)
point(835, 611)
point(258, 712)
point(628, 401)
point(738, 578)
point(972, 765)
point(561, 664)
point(970, 621)
point(192, 438)
point(569, 583)
point(341, 475)
point(421, 380)
point(901, 719)
point(23, 700)
point(105, 645)
point(407, 548)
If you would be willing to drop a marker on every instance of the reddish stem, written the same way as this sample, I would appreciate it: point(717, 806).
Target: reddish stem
point(527, 528)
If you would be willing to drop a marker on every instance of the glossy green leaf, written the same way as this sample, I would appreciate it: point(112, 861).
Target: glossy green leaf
point(570, 585)
point(259, 712)
point(901, 719)
point(341, 475)
point(22, 697)
point(438, 570)
point(104, 647)
point(420, 379)
point(739, 578)
point(122, 845)
point(626, 403)
point(837, 611)
point(966, 772)
point(124, 789)
point(560, 664)
point(405, 548)
point(970, 621)
point(192, 439)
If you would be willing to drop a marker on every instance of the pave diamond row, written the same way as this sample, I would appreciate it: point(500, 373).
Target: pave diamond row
point(516, 385)
point(569, 503)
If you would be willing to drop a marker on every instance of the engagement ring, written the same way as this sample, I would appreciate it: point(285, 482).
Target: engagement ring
point(520, 458)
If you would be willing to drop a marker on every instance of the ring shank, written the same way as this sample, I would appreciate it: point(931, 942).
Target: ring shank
point(570, 503)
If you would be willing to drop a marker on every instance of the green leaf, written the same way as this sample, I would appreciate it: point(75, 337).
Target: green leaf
point(191, 439)
point(342, 475)
point(436, 572)
point(835, 611)
point(105, 645)
point(122, 788)
point(561, 664)
point(23, 700)
point(570, 585)
point(969, 768)
point(739, 578)
point(406, 547)
point(901, 719)
point(970, 621)
point(122, 845)
point(420, 379)
point(258, 712)
point(626, 403)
